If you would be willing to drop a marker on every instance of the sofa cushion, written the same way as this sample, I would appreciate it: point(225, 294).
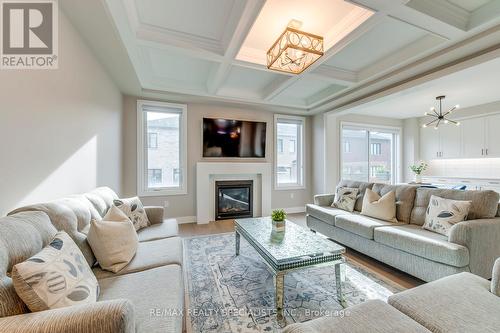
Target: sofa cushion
point(484, 203)
point(362, 188)
point(360, 225)
point(345, 198)
point(21, 236)
point(58, 276)
point(113, 240)
point(65, 218)
point(149, 255)
point(380, 207)
point(405, 197)
point(442, 214)
point(133, 208)
point(325, 214)
point(457, 303)
point(157, 295)
point(166, 229)
point(373, 316)
point(424, 243)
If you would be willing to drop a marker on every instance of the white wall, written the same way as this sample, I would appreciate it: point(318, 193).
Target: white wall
point(411, 147)
point(60, 130)
point(185, 205)
point(318, 153)
point(332, 138)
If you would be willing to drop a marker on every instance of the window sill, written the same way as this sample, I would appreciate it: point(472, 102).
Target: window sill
point(162, 193)
point(289, 187)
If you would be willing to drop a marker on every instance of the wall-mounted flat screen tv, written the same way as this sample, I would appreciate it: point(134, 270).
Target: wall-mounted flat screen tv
point(234, 138)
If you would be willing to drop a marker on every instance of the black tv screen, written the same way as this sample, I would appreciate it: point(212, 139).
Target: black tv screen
point(234, 138)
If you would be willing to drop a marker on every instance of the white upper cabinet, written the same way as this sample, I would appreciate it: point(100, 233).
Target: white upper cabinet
point(429, 144)
point(450, 141)
point(492, 144)
point(441, 143)
point(473, 137)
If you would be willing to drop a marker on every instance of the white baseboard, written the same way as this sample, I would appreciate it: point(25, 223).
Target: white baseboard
point(292, 210)
point(192, 219)
point(185, 219)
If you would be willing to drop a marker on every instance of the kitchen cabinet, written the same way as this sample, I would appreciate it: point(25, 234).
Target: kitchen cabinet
point(445, 142)
point(473, 138)
point(492, 144)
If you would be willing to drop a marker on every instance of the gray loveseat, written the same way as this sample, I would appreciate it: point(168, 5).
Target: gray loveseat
point(472, 245)
point(458, 303)
point(145, 296)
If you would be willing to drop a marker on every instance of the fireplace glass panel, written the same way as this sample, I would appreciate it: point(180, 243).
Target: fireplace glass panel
point(234, 199)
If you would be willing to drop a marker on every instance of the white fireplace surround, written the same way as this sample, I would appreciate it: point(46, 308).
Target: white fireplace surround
point(209, 172)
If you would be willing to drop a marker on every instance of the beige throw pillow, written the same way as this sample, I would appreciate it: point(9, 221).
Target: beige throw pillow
point(132, 207)
point(113, 240)
point(442, 214)
point(383, 208)
point(345, 198)
point(56, 277)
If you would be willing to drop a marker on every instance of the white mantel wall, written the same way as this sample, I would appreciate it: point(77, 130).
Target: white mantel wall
point(184, 206)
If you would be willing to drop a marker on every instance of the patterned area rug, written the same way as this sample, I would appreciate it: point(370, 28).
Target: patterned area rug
point(228, 293)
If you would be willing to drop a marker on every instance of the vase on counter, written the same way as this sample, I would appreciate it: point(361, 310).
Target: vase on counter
point(418, 178)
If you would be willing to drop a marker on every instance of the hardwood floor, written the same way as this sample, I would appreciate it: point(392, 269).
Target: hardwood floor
point(382, 270)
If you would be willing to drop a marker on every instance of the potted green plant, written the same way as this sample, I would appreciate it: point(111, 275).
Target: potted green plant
point(278, 217)
point(417, 170)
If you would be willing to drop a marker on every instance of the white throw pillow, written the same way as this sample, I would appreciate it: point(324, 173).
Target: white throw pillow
point(132, 207)
point(380, 207)
point(345, 198)
point(442, 214)
point(113, 240)
point(56, 277)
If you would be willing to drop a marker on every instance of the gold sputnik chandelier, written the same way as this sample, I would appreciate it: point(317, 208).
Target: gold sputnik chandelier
point(440, 117)
point(294, 50)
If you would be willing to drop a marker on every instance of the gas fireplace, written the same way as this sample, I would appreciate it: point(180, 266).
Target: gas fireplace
point(233, 199)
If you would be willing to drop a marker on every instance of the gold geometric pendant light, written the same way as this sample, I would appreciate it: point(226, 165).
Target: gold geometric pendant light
point(294, 50)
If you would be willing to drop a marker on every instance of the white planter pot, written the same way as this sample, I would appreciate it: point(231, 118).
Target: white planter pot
point(418, 179)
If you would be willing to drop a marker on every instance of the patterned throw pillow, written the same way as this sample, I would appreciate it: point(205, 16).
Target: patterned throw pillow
point(56, 277)
point(442, 214)
point(132, 207)
point(346, 198)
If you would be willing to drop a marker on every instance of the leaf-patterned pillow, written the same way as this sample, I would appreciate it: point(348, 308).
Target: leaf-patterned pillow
point(56, 277)
point(442, 214)
point(346, 198)
point(133, 208)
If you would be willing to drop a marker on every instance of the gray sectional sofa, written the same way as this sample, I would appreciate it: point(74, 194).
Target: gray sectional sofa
point(472, 245)
point(458, 303)
point(145, 296)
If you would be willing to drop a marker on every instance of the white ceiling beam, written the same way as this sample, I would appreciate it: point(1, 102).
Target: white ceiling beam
point(335, 74)
point(400, 10)
point(401, 57)
point(469, 52)
point(251, 10)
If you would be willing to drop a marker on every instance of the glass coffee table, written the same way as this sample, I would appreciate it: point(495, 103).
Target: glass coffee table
point(293, 249)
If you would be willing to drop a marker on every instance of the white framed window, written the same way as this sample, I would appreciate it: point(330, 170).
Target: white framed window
point(289, 163)
point(161, 148)
point(374, 154)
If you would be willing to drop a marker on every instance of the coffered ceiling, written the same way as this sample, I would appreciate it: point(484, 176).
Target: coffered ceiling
point(215, 50)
